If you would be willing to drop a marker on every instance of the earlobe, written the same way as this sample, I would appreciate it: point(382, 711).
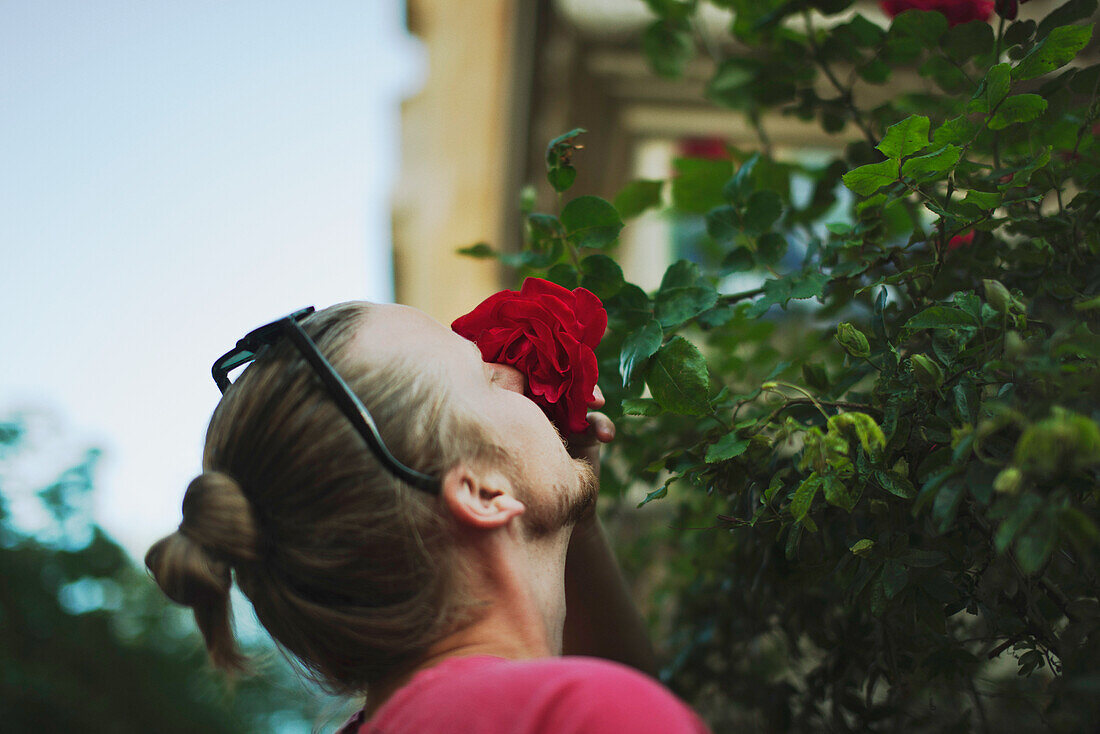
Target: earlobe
point(480, 499)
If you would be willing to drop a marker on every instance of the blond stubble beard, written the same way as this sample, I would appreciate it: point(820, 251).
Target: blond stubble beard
point(561, 507)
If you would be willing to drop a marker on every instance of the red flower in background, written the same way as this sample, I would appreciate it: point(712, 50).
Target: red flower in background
point(960, 240)
point(548, 333)
point(713, 149)
point(956, 11)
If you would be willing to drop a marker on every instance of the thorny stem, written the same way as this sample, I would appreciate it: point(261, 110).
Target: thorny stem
point(832, 404)
point(735, 297)
point(796, 388)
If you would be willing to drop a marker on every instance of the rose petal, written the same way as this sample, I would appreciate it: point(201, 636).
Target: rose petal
point(547, 332)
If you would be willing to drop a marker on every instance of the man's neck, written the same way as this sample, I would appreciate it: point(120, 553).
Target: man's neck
point(521, 584)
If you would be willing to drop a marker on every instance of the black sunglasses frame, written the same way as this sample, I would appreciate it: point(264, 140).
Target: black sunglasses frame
point(249, 346)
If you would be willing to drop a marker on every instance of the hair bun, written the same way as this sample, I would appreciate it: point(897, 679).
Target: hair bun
point(191, 566)
point(218, 517)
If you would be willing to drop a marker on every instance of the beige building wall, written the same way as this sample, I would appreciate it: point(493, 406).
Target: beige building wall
point(455, 155)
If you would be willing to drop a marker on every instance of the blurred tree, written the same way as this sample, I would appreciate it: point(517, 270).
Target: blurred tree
point(88, 644)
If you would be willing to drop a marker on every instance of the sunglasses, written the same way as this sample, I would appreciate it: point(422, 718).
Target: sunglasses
point(255, 341)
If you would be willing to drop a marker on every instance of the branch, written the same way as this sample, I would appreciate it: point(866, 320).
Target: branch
point(832, 404)
point(845, 93)
point(735, 297)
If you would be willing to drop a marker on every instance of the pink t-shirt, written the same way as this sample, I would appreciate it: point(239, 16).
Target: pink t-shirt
point(483, 694)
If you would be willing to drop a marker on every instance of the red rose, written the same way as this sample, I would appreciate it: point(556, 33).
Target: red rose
point(960, 240)
point(548, 333)
point(956, 11)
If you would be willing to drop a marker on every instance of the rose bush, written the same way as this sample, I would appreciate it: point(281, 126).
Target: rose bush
point(548, 333)
point(877, 460)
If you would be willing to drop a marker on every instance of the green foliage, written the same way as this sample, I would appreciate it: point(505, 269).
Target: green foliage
point(888, 453)
point(89, 644)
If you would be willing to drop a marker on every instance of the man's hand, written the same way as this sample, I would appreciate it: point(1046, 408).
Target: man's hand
point(600, 430)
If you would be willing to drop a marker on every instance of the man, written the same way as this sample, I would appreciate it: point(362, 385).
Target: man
point(553, 591)
point(410, 525)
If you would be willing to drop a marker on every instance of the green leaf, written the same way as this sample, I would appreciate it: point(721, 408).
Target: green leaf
point(656, 494)
point(1021, 175)
point(739, 260)
point(642, 406)
point(562, 177)
point(810, 285)
point(697, 187)
point(601, 275)
point(770, 249)
point(637, 196)
point(983, 199)
point(905, 137)
point(668, 48)
point(1017, 108)
point(941, 317)
point(590, 221)
point(993, 89)
point(949, 77)
point(683, 294)
point(956, 130)
point(544, 238)
point(630, 306)
point(896, 484)
point(1035, 546)
point(564, 274)
point(729, 446)
point(724, 224)
point(804, 496)
point(894, 578)
point(875, 71)
point(639, 345)
point(678, 378)
point(925, 26)
point(1027, 506)
point(840, 494)
point(936, 162)
point(740, 185)
point(868, 179)
point(946, 504)
point(865, 33)
point(729, 87)
point(1066, 14)
point(1053, 52)
point(480, 251)
point(1020, 32)
point(965, 40)
point(761, 211)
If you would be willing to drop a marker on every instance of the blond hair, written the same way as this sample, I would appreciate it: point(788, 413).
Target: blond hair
point(348, 568)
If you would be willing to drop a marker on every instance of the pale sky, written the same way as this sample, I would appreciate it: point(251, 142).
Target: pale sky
point(172, 175)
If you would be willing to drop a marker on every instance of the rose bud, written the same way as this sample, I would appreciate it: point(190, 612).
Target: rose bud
point(997, 295)
point(927, 372)
point(853, 340)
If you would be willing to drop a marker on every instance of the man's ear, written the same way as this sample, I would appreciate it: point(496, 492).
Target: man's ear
point(480, 498)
